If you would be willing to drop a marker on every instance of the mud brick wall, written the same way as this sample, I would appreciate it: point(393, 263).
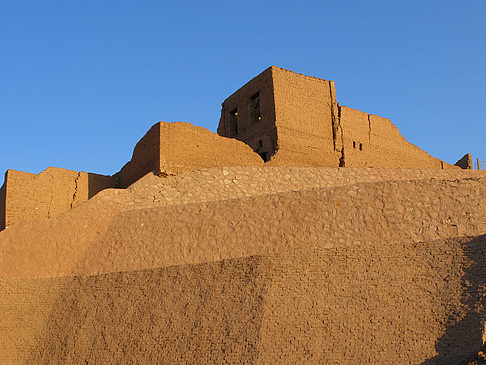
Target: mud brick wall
point(306, 111)
point(322, 304)
point(260, 135)
point(49, 194)
point(373, 141)
point(172, 148)
point(185, 147)
point(308, 127)
point(291, 265)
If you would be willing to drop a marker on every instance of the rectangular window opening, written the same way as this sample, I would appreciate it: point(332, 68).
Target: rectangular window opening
point(233, 123)
point(255, 108)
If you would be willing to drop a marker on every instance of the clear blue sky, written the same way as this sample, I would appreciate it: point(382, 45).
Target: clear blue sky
point(82, 81)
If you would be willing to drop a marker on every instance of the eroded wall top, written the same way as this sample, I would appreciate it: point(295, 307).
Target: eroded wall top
point(304, 125)
point(172, 148)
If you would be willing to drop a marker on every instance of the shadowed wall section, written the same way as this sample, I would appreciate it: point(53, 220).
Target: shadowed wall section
point(249, 115)
point(466, 162)
point(318, 304)
point(2, 206)
point(145, 158)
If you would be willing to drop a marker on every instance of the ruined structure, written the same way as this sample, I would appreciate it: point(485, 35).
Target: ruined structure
point(167, 149)
point(172, 148)
point(288, 119)
point(296, 120)
point(199, 252)
point(53, 192)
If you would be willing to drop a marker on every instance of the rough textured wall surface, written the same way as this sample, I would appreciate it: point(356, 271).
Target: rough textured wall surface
point(303, 125)
point(373, 141)
point(49, 194)
point(145, 158)
point(259, 134)
point(172, 148)
point(315, 265)
point(58, 245)
point(306, 119)
point(319, 304)
point(185, 147)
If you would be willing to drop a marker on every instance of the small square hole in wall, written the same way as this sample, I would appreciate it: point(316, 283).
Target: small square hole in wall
point(361, 147)
point(354, 144)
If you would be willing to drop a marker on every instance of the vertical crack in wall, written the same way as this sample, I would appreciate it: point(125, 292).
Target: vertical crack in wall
point(339, 126)
point(337, 131)
point(342, 159)
point(50, 205)
point(369, 129)
point(75, 189)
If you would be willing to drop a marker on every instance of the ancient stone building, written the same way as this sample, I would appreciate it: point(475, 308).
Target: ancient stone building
point(295, 120)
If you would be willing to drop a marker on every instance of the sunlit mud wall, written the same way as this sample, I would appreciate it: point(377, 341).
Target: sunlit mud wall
point(49, 194)
point(354, 270)
point(373, 141)
point(302, 124)
point(172, 148)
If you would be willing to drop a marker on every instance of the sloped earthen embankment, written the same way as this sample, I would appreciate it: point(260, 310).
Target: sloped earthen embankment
point(306, 265)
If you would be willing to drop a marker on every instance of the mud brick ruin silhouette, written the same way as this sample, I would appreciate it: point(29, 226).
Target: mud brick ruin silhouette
point(304, 231)
point(288, 119)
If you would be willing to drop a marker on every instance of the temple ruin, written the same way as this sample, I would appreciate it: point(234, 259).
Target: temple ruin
point(305, 232)
point(287, 119)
